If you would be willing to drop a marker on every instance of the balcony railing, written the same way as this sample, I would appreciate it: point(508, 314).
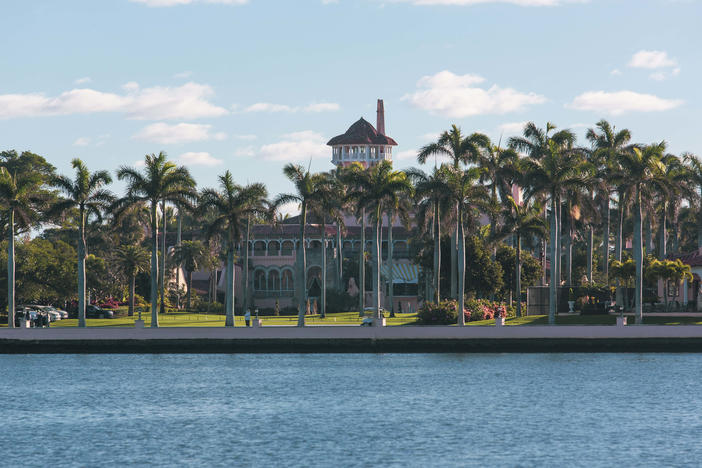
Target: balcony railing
point(269, 294)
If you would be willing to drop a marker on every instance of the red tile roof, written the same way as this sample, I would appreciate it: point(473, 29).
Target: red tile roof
point(362, 133)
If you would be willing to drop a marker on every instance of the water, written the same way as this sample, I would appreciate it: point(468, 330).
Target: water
point(351, 410)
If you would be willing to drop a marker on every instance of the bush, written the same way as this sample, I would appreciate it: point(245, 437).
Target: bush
point(339, 302)
point(443, 313)
point(289, 310)
point(483, 309)
point(214, 307)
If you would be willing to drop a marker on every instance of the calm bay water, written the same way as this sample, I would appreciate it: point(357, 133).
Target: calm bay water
point(351, 410)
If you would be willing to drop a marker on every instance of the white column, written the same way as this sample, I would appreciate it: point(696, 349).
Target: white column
point(685, 291)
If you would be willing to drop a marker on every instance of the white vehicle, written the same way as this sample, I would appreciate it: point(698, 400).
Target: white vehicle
point(62, 313)
point(53, 314)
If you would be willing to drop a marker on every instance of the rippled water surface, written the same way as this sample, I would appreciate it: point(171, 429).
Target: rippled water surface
point(351, 410)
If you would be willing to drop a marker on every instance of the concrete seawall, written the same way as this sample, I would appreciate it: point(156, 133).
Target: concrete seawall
point(328, 339)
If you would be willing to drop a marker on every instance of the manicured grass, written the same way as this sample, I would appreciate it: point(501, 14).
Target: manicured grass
point(592, 320)
point(185, 319)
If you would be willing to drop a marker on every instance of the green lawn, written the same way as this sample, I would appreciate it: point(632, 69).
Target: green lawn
point(185, 319)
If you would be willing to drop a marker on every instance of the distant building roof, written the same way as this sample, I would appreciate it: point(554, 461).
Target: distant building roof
point(362, 133)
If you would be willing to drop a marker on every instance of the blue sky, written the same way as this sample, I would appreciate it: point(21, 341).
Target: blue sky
point(250, 85)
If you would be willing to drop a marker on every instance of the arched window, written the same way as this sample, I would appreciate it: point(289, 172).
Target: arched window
point(287, 248)
point(259, 248)
point(315, 244)
point(287, 283)
point(273, 281)
point(260, 280)
point(273, 248)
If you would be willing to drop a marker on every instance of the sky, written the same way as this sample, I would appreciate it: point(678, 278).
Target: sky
point(250, 85)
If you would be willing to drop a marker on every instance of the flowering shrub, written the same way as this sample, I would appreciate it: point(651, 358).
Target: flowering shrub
point(483, 309)
point(109, 303)
point(443, 313)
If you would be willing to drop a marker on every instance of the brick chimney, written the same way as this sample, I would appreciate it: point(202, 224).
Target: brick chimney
point(381, 118)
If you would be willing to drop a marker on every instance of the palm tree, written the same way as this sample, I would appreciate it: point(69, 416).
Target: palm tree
point(459, 149)
point(467, 195)
point(86, 193)
point(231, 206)
point(549, 176)
point(191, 255)
point(537, 144)
point(132, 260)
point(644, 169)
point(694, 166)
point(327, 203)
point(161, 180)
point(306, 185)
point(22, 200)
point(432, 195)
point(402, 211)
point(679, 187)
point(372, 189)
point(520, 221)
point(607, 145)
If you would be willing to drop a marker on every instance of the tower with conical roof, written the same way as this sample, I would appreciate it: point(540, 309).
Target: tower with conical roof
point(363, 143)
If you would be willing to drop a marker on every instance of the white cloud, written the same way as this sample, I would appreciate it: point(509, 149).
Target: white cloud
point(177, 133)
point(245, 137)
point(432, 136)
point(321, 107)
point(156, 103)
point(298, 146)
point(407, 155)
point(270, 107)
point(620, 102)
point(664, 75)
point(615, 72)
point(524, 3)
point(245, 152)
point(81, 141)
point(170, 3)
point(140, 163)
point(192, 158)
point(512, 128)
point(291, 209)
point(83, 80)
point(454, 96)
point(651, 59)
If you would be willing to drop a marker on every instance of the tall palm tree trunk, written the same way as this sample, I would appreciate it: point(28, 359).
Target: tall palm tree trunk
point(590, 247)
point(554, 270)
point(339, 259)
point(154, 267)
point(648, 242)
point(391, 265)
point(605, 240)
point(302, 269)
point(11, 271)
point(569, 251)
point(132, 286)
point(662, 250)
point(179, 239)
point(618, 246)
point(323, 308)
point(699, 224)
point(437, 253)
point(518, 276)
point(376, 269)
point(162, 273)
point(461, 269)
point(559, 241)
point(245, 269)
point(362, 268)
point(638, 259)
point(81, 270)
point(190, 286)
point(454, 260)
point(229, 287)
